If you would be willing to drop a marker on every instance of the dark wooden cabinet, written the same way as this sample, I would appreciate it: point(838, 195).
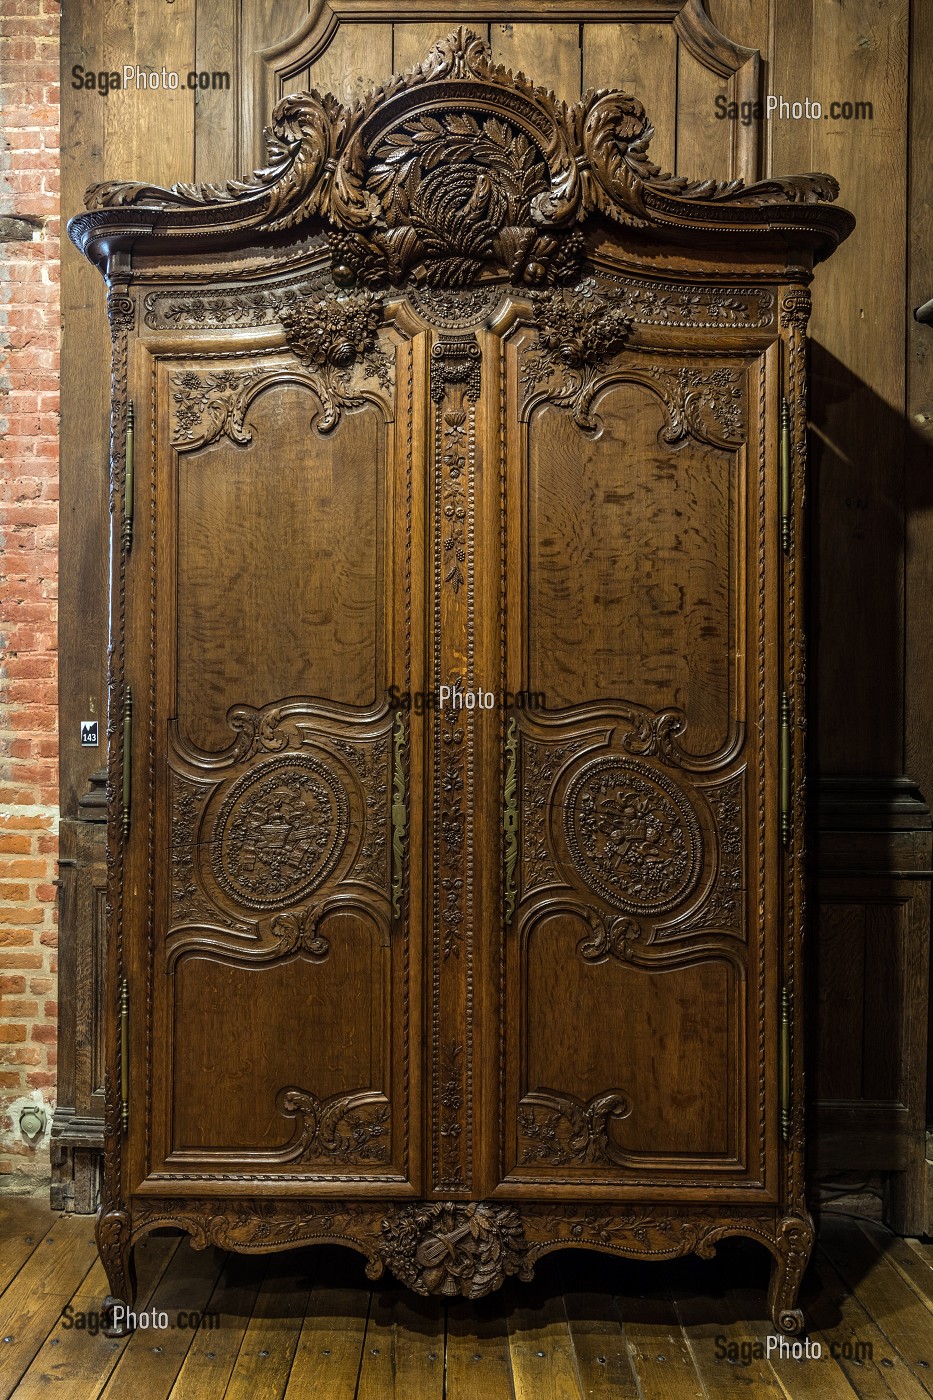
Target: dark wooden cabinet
point(456, 734)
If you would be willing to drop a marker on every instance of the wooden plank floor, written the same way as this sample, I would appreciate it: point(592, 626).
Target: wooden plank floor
point(309, 1326)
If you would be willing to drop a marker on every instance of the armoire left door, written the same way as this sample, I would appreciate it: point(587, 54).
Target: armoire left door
point(272, 985)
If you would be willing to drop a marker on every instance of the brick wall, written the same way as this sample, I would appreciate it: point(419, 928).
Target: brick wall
point(29, 348)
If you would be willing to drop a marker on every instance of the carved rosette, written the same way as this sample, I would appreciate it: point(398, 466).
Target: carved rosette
point(455, 1250)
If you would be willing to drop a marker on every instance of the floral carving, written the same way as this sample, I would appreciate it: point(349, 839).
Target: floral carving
point(458, 168)
point(371, 765)
point(707, 404)
point(632, 835)
point(454, 1249)
point(563, 1130)
point(332, 335)
point(349, 1129)
point(579, 332)
point(541, 765)
point(209, 405)
point(450, 1128)
point(723, 908)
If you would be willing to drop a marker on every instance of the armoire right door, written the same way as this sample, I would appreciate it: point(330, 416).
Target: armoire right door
point(641, 1006)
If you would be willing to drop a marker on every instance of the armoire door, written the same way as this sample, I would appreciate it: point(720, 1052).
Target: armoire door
point(640, 1012)
point(272, 887)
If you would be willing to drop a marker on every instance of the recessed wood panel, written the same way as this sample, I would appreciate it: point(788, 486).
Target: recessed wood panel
point(280, 580)
point(257, 1030)
point(631, 587)
point(665, 1037)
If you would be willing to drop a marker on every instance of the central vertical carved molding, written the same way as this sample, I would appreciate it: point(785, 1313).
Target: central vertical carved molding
point(455, 387)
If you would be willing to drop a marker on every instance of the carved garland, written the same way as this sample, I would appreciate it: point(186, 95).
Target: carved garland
point(468, 1249)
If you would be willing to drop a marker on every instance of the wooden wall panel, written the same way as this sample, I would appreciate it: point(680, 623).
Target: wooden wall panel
point(358, 58)
point(215, 124)
point(859, 52)
point(548, 53)
point(412, 42)
point(919, 421)
point(642, 59)
point(704, 142)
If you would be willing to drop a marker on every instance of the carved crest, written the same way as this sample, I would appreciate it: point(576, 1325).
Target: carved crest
point(459, 171)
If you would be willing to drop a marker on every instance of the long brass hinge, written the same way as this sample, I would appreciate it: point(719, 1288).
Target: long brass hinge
point(125, 1054)
point(399, 815)
point(785, 792)
point(786, 486)
point(129, 477)
point(785, 1065)
point(127, 760)
point(510, 818)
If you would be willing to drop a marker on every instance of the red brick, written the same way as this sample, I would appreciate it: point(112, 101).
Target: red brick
point(30, 961)
point(10, 1034)
point(40, 1079)
point(13, 986)
point(44, 1034)
point(21, 1006)
point(24, 1055)
point(11, 1079)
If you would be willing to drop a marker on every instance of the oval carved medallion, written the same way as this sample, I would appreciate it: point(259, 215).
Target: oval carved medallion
point(632, 835)
point(280, 832)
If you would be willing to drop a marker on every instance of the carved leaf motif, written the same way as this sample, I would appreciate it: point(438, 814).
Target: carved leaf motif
point(349, 1129)
point(331, 336)
point(562, 1130)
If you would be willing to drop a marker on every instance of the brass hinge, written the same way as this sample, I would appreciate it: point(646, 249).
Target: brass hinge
point(399, 815)
point(125, 1054)
point(786, 486)
point(128, 478)
point(510, 818)
point(127, 760)
point(785, 1064)
point(785, 791)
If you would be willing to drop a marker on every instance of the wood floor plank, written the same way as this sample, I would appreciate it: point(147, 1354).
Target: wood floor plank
point(330, 1347)
point(814, 1376)
point(211, 1357)
point(728, 1349)
point(543, 1362)
point(74, 1358)
point(24, 1223)
point(604, 1364)
point(265, 1357)
point(660, 1355)
point(478, 1359)
point(909, 1264)
point(897, 1309)
point(403, 1352)
point(839, 1320)
point(32, 1303)
point(152, 1359)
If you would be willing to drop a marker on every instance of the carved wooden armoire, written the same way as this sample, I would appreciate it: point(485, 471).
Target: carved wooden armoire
point(456, 770)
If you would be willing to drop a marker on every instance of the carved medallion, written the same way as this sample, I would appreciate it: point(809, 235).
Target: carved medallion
point(280, 832)
point(455, 308)
point(440, 1247)
point(632, 835)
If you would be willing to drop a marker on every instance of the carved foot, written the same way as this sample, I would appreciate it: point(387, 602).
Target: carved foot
point(116, 1252)
point(115, 1314)
point(794, 1243)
